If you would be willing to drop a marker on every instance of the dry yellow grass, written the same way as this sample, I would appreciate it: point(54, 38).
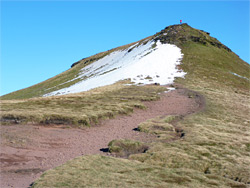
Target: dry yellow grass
point(84, 108)
point(215, 151)
point(100, 171)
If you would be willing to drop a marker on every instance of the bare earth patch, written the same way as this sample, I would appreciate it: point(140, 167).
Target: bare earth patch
point(28, 150)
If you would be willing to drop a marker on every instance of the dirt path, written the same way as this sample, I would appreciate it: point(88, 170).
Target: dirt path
point(27, 151)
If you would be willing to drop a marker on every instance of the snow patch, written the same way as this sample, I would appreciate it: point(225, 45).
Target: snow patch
point(142, 64)
point(169, 89)
point(239, 75)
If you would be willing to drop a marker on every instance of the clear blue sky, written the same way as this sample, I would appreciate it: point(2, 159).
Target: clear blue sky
point(40, 39)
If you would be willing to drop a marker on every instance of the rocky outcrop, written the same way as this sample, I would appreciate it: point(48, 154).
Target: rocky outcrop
point(91, 59)
point(74, 64)
point(182, 33)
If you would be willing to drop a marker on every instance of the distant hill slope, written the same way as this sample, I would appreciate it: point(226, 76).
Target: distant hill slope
point(141, 61)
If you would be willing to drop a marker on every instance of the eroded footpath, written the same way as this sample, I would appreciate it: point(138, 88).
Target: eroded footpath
point(27, 151)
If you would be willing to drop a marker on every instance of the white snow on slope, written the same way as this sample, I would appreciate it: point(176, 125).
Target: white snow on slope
point(239, 75)
point(142, 64)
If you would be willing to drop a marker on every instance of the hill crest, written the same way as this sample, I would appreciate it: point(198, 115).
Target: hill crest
point(180, 35)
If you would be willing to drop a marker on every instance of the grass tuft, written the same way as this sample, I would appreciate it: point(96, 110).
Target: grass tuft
point(124, 148)
point(159, 126)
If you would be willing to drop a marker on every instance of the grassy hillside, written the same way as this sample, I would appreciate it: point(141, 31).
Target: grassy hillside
point(215, 151)
point(179, 35)
point(55, 83)
point(64, 79)
point(82, 109)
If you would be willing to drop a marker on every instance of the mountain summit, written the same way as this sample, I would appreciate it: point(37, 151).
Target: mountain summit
point(180, 34)
point(155, 59)
point(189, 148)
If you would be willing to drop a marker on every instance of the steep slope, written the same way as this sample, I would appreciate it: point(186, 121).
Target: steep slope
point(149, 60)
point(144, 62)
point(215, 144)
point(214, 151)
point(147, 63)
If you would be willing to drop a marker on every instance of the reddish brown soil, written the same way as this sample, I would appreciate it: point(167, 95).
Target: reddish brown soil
point(27, 151)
